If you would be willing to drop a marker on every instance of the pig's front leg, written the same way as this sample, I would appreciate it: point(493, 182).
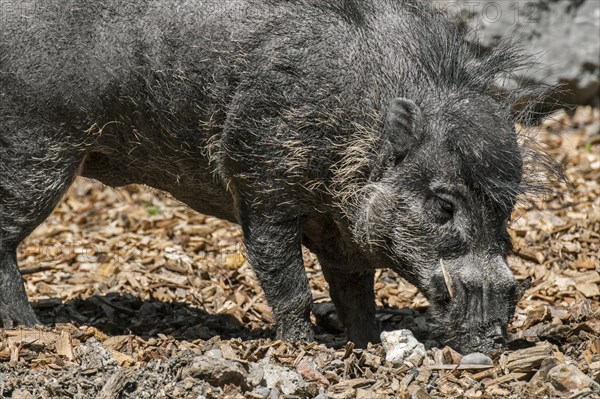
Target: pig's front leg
point(354, 298)
point(14, 305)
point(275, 255)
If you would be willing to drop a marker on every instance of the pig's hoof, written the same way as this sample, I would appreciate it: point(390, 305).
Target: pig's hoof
point(11, 317)
point(299, 332)
point(327, 317)
point(363, 337)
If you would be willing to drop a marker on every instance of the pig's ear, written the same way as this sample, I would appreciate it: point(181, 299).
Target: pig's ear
point(401, 125)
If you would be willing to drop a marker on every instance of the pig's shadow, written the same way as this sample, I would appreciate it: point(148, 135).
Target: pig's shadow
point(116, 314)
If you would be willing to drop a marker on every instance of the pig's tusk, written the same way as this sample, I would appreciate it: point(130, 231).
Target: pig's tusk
point(447, 280)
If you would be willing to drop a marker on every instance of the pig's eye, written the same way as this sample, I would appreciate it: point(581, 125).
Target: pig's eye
point(445, 206)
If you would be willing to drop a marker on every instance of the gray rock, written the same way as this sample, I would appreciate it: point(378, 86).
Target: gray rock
point(287, 381)
point(215, 353)
point(93, 355)
point(567, 378)
point(562, 36)
point(541, 376)
point(256, 374)
point(217, 371)
point(476, 358)
point(262, 391)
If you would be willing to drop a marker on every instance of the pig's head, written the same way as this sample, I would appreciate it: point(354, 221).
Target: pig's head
point(437, 213)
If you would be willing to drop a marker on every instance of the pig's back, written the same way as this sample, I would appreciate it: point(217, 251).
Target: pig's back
point(84, 56)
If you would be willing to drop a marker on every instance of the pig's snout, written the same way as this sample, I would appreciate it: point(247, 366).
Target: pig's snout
point(473, 303)
point(485, 345)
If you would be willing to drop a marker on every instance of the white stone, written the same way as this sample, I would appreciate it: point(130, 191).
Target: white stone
point(399, 345)
point(288, 381)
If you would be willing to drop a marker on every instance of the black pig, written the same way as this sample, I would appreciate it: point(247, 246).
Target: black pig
point(366, 130)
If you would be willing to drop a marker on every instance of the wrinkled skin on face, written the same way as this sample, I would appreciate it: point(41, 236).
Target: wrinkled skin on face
point(450, 187)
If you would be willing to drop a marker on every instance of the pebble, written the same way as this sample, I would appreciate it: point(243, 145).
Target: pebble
point(476, 358)
point(215, 353)
point(400, 345)
point(262, 392)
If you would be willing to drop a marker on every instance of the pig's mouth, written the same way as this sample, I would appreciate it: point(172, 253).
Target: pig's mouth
point(469, 313)
point(487, 338)
point(477, 344)
point(488, 345)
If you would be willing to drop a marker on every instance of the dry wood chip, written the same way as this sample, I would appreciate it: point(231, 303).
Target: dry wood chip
point(122, 359)
point(417, 392)
point(459, 367)
point(114, 386)
point(116, 342)
point(64, 346)
point(353, 383)
point(590, 290)
point(490, 373)
point(526, 360)
point(20, 337)
point(505, 379)
point(495, 390)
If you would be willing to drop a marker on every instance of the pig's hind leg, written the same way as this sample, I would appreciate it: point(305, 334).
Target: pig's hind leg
point(349, 277)
point(37, 165)
point(354, 298)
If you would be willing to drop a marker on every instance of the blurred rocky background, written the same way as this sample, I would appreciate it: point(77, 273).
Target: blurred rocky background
point(561, 36)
